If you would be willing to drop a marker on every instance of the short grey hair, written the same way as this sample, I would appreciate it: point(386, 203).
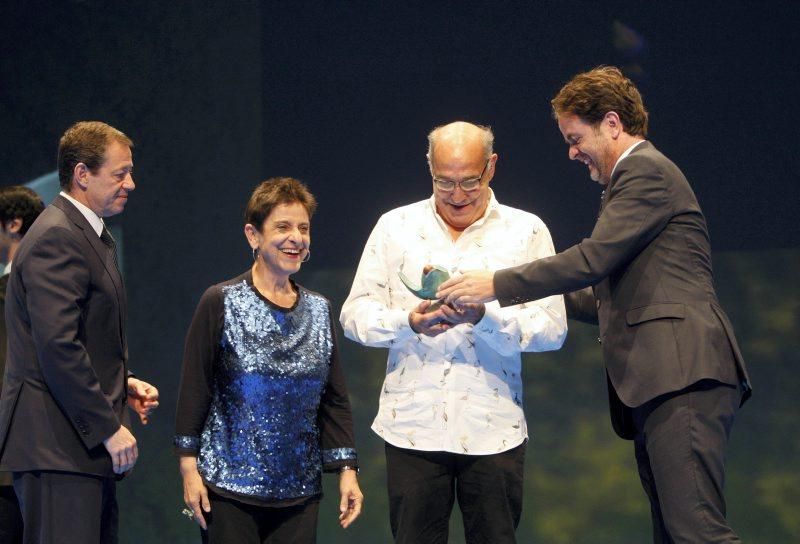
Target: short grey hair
point(487, 137)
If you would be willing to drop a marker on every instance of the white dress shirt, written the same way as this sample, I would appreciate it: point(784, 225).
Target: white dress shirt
point(94, 220)
point(460, 391)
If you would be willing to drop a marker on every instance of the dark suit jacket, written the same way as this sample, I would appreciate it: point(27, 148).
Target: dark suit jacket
point(649, 262)
point(64, 390)
point(5, 478)
point(3, 335)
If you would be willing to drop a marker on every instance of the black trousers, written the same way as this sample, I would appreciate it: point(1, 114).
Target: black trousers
point(10, 516)
point(423, 485)
point(232, 521)
point(680, 451)
point(67, 508)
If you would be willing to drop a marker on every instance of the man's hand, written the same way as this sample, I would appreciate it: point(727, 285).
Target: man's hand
point(195, 493)
point(351, 498)
point(122, 448)
point(142, 398)
point(424, 321)
point(470, 288)
point(465, 313)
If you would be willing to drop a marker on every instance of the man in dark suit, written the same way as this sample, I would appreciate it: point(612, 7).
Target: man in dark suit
point(63, 424)
point(19, 208)
point(675, 373)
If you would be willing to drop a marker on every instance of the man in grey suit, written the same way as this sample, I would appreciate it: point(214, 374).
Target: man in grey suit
point(676, 376)
point(63, 424)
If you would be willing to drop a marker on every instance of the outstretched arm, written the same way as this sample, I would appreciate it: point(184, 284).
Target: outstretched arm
point(639, 208)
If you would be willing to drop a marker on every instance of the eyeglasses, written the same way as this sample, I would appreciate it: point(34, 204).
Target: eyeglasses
point(466, 185)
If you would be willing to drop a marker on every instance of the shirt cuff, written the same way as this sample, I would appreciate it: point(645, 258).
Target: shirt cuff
point(400, 324)
point(490, 323)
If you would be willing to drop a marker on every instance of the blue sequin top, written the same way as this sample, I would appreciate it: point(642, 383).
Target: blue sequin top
point(263, 403)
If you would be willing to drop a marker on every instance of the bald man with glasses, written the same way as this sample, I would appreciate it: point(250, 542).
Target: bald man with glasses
point(451, 404)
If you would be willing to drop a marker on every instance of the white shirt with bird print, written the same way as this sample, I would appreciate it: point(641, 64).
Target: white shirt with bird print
point(460, 391)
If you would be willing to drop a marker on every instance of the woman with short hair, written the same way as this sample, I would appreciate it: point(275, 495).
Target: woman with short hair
point(263, 408)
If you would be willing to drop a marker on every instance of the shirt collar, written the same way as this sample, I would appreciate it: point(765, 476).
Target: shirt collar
point(93, 219)
point(492, 208)
point(7, 269)
point(625, 154)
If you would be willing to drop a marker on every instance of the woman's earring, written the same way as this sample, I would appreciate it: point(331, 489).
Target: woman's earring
point(307, 257)
point(255, 253)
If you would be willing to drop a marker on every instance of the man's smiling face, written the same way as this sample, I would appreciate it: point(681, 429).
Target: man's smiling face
point(589, 144)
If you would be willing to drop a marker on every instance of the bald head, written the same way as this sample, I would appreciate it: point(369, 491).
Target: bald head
point(461, 153)
point(461, 138)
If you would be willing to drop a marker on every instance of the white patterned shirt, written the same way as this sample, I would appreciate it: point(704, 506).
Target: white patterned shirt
point(460, 391)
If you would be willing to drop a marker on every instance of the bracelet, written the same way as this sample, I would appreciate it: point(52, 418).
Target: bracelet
point(347, 467)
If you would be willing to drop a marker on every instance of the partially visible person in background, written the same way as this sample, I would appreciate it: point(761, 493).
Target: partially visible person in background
point(263, 408)
point(19, 208)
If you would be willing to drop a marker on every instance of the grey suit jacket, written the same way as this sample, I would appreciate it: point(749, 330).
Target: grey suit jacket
point(649, 262)
point(65, 383)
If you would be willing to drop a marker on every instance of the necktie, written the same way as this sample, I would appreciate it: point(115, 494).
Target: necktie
point(108, 240)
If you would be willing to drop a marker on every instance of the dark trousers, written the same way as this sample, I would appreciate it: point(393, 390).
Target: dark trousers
point(10, 516)
point(233, 521)
point(423, 485)
point(67, 508)
point(680, 451)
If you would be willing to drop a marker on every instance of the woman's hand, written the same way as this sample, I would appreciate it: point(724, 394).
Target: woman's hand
point(352, 498)
point(195, 494)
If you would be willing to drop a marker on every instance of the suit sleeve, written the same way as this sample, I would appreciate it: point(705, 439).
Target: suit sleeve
point(57, 283)
point(200, 353)
point(582, 306)
point(335, 419)
point(639, 207)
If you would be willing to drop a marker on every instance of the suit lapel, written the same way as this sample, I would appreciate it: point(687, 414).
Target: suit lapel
point(102, 251)
point(606, 194)
point(638, 149)
point(602, 289)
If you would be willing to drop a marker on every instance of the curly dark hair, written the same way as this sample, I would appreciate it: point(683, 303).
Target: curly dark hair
point(19, 202)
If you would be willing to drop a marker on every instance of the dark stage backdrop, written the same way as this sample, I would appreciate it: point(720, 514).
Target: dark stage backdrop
point(220, 95)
